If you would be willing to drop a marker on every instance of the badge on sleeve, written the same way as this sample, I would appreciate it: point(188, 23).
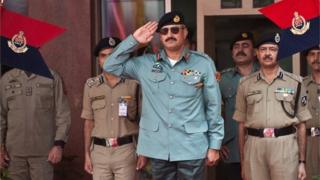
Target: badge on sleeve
point(304, 100)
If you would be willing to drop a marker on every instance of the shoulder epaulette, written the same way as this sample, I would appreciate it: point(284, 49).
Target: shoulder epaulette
point(293, 76)
point(250, 76)
point(95, 81)
point(204, 55)
point(227, 70)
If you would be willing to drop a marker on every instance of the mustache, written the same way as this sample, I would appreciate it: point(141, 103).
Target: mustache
point(170, 38)
point(241, 53)
point(267, 57)
point(316, 62)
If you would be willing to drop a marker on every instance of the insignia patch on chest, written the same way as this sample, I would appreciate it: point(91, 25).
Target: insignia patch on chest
point(190, 72)
point(304, 100)
point(157, 68)
point(285, 90)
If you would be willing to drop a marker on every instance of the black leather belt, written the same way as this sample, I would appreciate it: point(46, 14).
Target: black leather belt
point(314, 131)
point(271, 132)
point(112, 142)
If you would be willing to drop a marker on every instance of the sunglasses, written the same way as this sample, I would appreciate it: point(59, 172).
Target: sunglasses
point(174, 30)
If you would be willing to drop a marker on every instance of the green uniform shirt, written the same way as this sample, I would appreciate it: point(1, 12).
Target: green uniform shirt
point(180, 117)
point(228, 86)
point(34, 113)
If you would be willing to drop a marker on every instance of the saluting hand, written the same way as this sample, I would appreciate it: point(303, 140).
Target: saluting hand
point(55, 154)
point(146, 32)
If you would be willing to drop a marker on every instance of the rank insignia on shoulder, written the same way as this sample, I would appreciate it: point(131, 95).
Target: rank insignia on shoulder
point(18, 43)
point(95, 81)
point(304, 100)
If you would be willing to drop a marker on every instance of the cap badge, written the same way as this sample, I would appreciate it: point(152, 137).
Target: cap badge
point(176, 19)
point(277, 38)
point(244, 35)
point(299, 24)
point(112, 42)
point(18, 43)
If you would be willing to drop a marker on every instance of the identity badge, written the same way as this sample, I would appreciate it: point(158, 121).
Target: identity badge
point(123, 106)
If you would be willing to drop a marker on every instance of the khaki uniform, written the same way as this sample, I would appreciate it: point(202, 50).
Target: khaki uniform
point(34, 114)
point(313, 143)
point(258, 105)
point(101, 104)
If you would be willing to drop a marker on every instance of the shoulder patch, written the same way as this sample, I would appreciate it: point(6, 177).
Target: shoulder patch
point(95, 81)
point(245, 78)
point(227, 70)
point(293, 76)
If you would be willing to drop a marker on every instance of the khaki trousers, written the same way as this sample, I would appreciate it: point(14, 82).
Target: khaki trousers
point(117, 163)
point(26, 168)
point(313, 157)
point(271, 158)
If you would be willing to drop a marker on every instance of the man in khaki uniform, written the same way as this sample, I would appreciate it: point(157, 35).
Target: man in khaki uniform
point(312, 84)
point(271, 108)
point(110, 107)
point(35, 121)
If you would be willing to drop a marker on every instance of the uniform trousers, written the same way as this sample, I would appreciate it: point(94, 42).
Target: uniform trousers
point(114, 163)
point(26, 168)
point(271, 158)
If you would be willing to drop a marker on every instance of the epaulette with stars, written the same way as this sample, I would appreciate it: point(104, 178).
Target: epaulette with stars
point(96, 81)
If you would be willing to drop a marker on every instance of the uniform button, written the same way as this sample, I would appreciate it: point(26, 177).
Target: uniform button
point(171, 97)
point(169, 125)
point(172, 82)
point(172, 70)
point(112, 104)
point(170, 110)
point(112, 119)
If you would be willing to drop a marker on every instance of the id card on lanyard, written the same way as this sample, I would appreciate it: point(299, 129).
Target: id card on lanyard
point(123, 106)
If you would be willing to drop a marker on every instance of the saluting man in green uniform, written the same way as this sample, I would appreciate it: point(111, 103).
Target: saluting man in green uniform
point(271, 108)
point(312, 83)
point(243, 55)
point(110, 108)
point(180, 122)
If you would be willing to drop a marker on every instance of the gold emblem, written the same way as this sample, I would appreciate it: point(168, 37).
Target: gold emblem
point(176, 19)
point(299, 24)
point(18, 43)
point(244, 35)
point(277, 38)
point(112, 42)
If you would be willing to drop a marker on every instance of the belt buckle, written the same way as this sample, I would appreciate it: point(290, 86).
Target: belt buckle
point(315, 131)
point(111, 142)
point(268, 132)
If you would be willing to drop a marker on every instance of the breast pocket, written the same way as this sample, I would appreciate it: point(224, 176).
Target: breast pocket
point(287, 100)
point(98, 104)
point(191, 85)
point(156, 79)
point(45, 95)
point(254, 103)
point(14, 99)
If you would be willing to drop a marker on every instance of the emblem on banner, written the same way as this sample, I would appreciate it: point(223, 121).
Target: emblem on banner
point(299, 24)
point(18, 43)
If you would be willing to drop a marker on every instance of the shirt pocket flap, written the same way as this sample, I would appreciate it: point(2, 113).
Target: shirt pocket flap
point(196, 126)
point(157, 77)
point(284, 97)
point(98, 104)
point(191, 80)
point(254, 98)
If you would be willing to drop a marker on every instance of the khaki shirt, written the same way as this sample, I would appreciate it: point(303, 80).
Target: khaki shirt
point(101, 104)
point(313, 91)
point(258, 103)
point(34, 113)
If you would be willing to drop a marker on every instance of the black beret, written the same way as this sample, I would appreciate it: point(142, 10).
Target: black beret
point(242, 36)
point(317, 47)
point(105, 43)
point(270, 38)
point(173, 17)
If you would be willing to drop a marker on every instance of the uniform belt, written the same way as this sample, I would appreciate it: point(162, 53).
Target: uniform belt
point(113, 142)
point(271, 132)
point(314, 131)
